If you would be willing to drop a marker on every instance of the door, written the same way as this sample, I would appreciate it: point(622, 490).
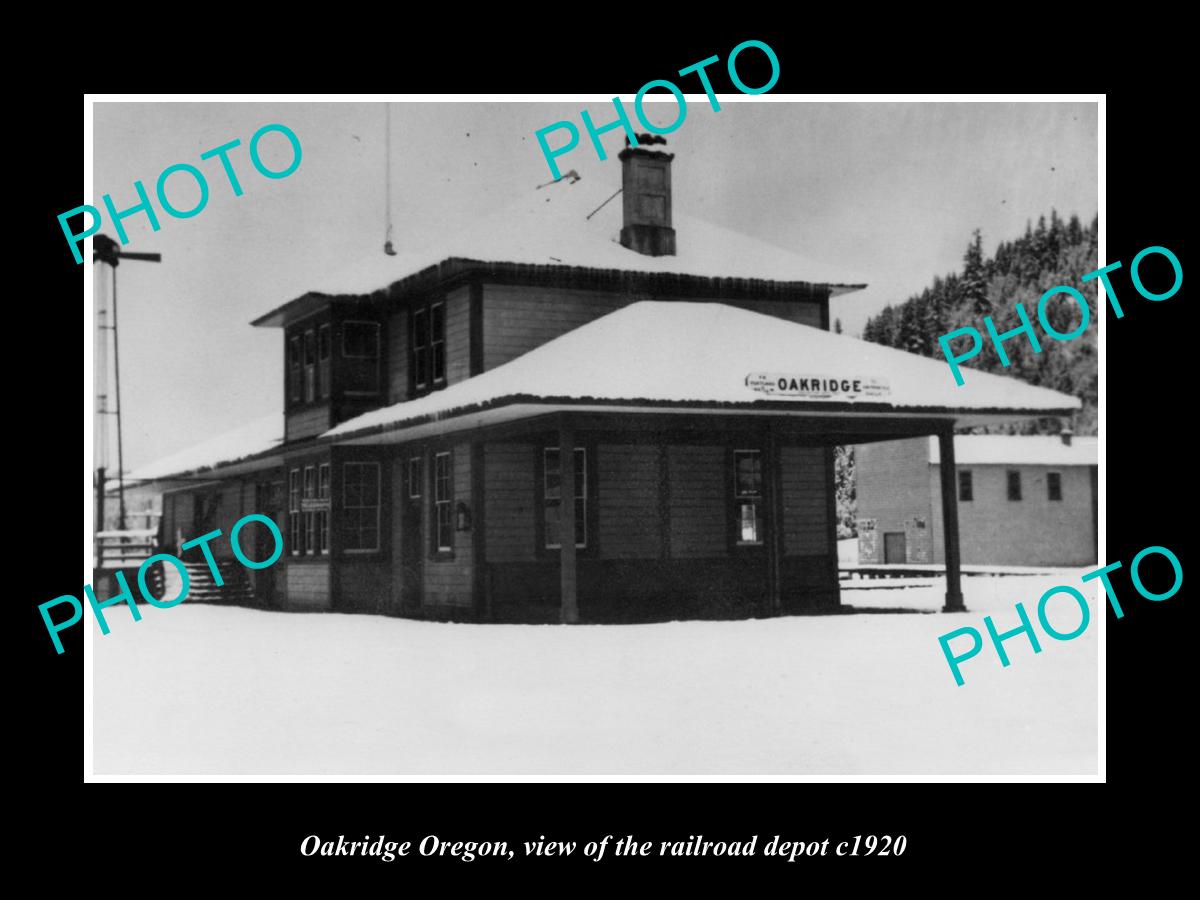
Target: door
point(268, 498)
point(412, 544)
point(894, 550)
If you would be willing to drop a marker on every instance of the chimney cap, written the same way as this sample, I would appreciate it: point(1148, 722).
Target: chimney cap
point(646, 143)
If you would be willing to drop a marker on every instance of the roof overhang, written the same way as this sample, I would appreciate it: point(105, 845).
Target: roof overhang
point(511, 409)
point(455, 270)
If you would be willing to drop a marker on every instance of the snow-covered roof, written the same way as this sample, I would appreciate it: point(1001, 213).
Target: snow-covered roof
point(1017, 449)
point(550, 225)
point(247, 440)
point(694, 353)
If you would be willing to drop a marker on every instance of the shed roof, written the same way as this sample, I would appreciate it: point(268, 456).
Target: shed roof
point(691, 354)
point(242, 442)
point(1019, 449)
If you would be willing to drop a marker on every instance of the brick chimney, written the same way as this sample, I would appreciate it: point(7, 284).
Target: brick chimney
point(646, 195)
point(1066, 434)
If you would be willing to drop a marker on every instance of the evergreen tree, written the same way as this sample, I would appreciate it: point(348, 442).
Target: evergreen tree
point(974, 278)
point(845, 492)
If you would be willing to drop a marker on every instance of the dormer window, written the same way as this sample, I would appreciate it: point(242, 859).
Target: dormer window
point(360, 357)
point(428, 346)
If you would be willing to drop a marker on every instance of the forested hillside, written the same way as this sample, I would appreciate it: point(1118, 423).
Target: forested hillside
point(1051, 253)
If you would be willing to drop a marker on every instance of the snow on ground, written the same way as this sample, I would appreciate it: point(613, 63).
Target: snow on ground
point(236, 692)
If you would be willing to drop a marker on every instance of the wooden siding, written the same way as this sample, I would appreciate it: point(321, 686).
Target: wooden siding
point(698, 507)
point(628, 502)
point(307, 585)
point(307, 421)
point(448, 581)
point(804, 484)
point(510, 496)
point(397, 362)
point(516, 319)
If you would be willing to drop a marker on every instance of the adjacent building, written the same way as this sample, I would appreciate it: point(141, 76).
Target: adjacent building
point(584, 408)
point(1025, 500)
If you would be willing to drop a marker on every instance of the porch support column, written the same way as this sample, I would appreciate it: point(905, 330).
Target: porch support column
point(773, 473)
point(949, 476)
point(566, 521)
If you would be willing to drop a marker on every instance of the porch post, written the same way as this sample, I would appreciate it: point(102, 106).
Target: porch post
point(949, 475)
point(566, 521)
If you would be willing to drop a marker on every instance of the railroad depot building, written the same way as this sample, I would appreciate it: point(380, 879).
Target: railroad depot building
point(581, 409)
point(1026, 500)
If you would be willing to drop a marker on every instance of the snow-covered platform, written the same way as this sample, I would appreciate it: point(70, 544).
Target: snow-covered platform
point(221, 691)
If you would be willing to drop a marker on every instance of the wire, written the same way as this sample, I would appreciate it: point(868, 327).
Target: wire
point(117, 381)
point(387, 177)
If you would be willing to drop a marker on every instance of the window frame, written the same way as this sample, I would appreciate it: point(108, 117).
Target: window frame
point(310, 365)
point(414, 478)
point(966, 480)
point(324, 492)
point(296, 539)
point(295, 370)
point(427, 346)
point(309, 486)
point(759, 500)
point(582, 510)
point(1054, 491)
point(324, 361)
point(440, 505)
point(377, 379)
point(1013, 485)
point(346, 507)
point(437, 343)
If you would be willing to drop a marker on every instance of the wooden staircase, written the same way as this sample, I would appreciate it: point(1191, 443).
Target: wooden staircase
point(236, 591)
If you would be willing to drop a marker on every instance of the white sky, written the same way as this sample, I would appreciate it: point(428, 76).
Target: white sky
point(892, 191)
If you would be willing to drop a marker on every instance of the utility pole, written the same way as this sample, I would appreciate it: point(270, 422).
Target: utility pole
point(107, 252)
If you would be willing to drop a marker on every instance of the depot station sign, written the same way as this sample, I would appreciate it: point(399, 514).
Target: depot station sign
point(817, 387)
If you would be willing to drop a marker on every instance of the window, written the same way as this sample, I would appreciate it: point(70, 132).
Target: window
point(965, 487)
point(420, 348)
point(294, 369)
point(360, 350)
point(1014, 484)
point(428, 344)
point(443, 506)
point(310, 366)
point(324, 350)
point(552, 497)
point(295, 522)
point(414, 478)
point(747, 496)
point(360, 499)
point(323, 513)
point(1054, 486)
point(310, 515)
point(437, 340)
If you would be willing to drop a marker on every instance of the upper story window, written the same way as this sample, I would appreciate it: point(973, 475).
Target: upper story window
point(966, 489)
point(324, 351)
point(310, 365)
point(1014, 484)
point(360, 357)
point(294, 369)
point(428, 346)
point(748, 496)
point(1053, 486)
